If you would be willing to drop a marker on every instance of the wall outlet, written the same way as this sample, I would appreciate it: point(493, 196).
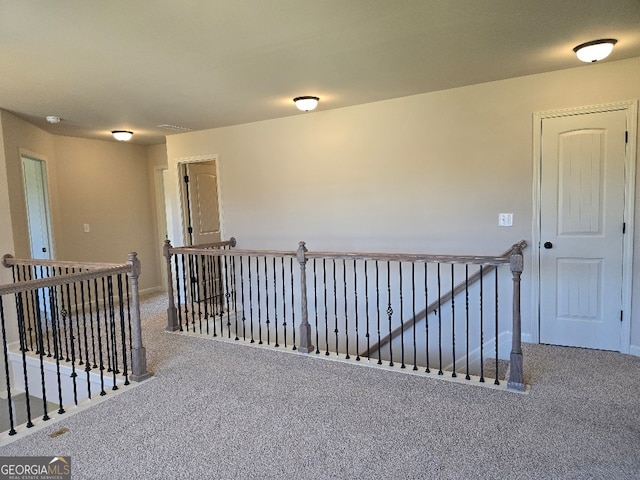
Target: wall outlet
point(505, 219)
point(86, 228)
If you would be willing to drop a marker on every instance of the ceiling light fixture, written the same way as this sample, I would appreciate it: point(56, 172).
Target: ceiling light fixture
point(53, 119)
point(122, 135)
point(306, 103)
point(595, 50)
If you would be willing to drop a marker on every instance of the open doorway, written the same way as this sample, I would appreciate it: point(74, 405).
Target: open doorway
point(38, 212)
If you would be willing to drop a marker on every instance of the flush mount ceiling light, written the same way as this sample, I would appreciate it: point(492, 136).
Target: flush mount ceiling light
point(306, 103)
point(122, 135)
point(53, 119)
point(595, 50)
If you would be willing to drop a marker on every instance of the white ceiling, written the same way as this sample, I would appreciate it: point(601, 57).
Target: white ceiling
point(123, 64)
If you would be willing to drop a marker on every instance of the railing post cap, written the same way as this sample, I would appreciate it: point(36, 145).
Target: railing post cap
point(135, 264)
point(302, 249)
point(232, 241)
point(5, 258)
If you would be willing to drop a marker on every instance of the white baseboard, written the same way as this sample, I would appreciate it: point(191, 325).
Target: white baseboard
point(634, 350)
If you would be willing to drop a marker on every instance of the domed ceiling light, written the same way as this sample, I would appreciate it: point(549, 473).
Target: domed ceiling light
point(595, 50)
point(122, 135)
point(306, 103)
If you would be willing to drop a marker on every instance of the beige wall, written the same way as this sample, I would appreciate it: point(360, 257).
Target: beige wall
point(426, 173)
point(20, 136)
point(105, 184)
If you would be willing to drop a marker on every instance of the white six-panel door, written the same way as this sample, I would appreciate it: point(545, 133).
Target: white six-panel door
point(581, 229)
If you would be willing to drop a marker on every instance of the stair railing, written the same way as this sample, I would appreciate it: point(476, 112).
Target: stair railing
point(71, 318)
point(340, 300)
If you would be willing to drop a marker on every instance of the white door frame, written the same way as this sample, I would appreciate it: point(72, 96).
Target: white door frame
point(631, 108)
point(47, 200)
point(182, 201)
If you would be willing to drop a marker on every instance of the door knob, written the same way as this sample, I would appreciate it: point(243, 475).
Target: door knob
point(548, 245)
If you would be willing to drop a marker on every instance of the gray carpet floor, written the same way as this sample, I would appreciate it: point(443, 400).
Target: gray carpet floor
point(216, 410)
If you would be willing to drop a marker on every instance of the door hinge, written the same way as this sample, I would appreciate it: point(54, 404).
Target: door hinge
point(624, 227)
point(626, 136)
point(186, 179)
point(620, 315)
point(190, 229)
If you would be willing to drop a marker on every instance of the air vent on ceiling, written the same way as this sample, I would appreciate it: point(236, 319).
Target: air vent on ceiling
point(174, 128)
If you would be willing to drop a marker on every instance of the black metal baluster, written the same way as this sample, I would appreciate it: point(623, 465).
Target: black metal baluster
point(481, 329)
point(355, 294)
point(258, 288)
point(466, 301)
point(315, 304)
point(91, 320)
point(346, 317)
point(426, 314)
point(87, 363)
point(112, 323)
point(250, 298)
point(389, 313)
point(378, 311)
point(193, 280)
point(75, 298)
point(100, 358)
point(74, 375)
point(227, 295)
point(439, 324)
point(64, 321)
point(453, 322)
point(46, 314)
point(326, 307)
point(266, 296)
point(496, 381)
point(244, 318)
point(284, 303)
point(413, 303)
point(179, 305)
point(123, 332)
point(45, 415)
point(26, 327)
point(335, 305)
point(203, 288)
point(293, 307)
point(366, 306)
point(402, 365)
point(35, 305)
point(210, 297)
point(234, 297)
point(275, 302)
point(106, 323)
point(23, 349)
point(56, 343)
point(12, 430)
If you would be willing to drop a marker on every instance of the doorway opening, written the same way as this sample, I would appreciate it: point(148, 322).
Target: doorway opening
point(34, 172)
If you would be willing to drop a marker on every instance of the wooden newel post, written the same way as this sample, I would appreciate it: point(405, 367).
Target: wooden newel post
point(172, 313)
point(305, 329)
point(138, 352)
point(516, 377)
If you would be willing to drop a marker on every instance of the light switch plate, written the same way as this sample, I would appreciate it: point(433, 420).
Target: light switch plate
point(505, 219)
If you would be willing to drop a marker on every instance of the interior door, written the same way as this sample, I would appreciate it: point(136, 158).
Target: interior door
point(581, 229)
point(201, 212)
point(37, 202)
point(201, 194)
